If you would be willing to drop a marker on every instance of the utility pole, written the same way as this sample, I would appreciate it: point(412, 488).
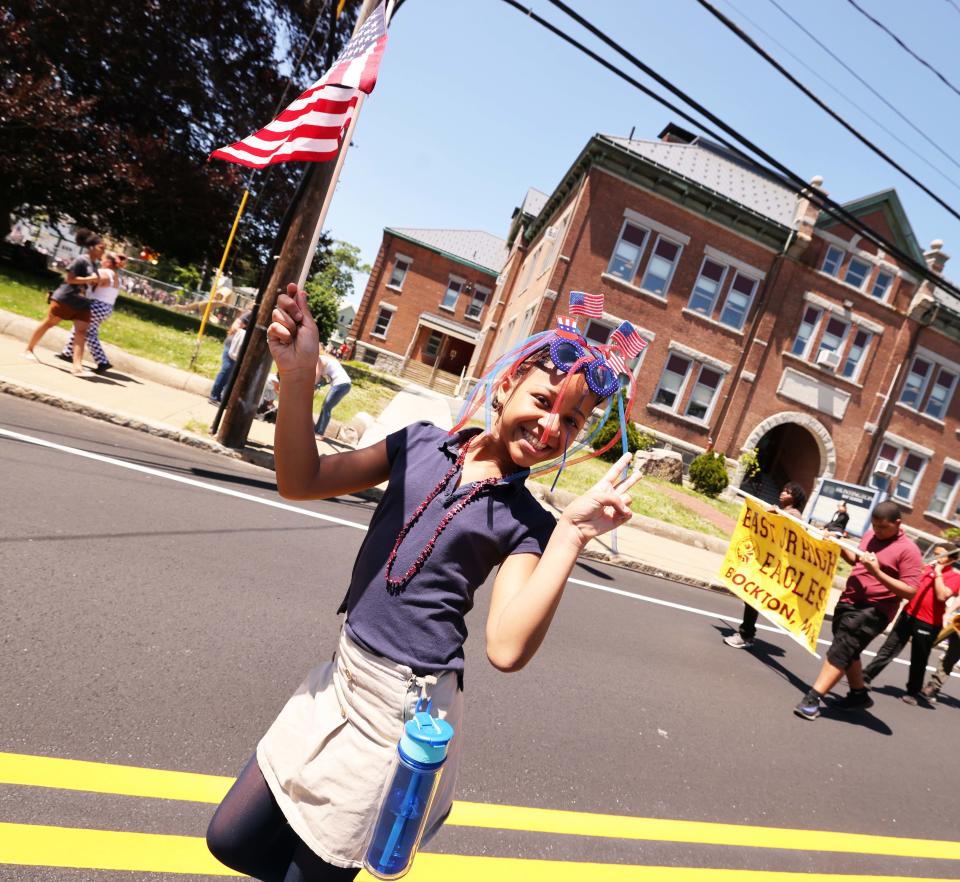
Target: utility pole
point(308, 213)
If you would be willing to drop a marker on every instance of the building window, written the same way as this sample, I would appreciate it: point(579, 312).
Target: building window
point(808, 325)
point(382, 322)
point(703, 298)
point(881, 285)
point(929, 387)
point(857, 272)
point(897, 471)
point(670, 389)
point(480, 296)
point(433, 344)
point(833, 335)
point(597, 332)
point(832, 261)
point(854, 359)
point(739, 298)
point(454, 287)
point(944, 501)
point(704, 392)
point(662, 263)
point(400, 266)
point(625, 260)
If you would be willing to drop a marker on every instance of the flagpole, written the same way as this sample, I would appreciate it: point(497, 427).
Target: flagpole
point(296, 254)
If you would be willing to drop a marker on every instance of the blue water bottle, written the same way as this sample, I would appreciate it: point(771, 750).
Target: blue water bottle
point(406, 803)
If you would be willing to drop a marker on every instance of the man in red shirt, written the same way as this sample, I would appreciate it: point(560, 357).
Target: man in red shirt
point(920, 622)
point(886, 570)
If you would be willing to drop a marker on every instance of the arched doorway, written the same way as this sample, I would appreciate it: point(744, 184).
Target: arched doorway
point(790, 447)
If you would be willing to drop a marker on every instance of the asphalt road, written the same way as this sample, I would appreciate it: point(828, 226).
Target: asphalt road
point(155, 623)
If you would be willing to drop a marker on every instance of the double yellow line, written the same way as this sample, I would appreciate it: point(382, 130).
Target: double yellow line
point(34, 845)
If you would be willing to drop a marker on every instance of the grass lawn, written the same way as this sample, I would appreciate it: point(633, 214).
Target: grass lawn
point(371, 392)
point(25, 295)
point(648, 500)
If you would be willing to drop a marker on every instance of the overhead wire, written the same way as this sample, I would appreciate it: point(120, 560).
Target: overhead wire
point(829, 206)
point(906, 145)
point(863, 139)
point(865, 83)
point(904, 46)
point(817, 196)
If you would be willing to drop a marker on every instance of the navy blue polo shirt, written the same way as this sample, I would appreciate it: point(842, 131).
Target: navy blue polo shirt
point(423, 626)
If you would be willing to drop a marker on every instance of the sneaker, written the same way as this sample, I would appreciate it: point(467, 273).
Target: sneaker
point(737, 642)
point(64, 357)
point(809, 707)
point(913, 699)
point(102, 367)
point(854, 700)
point(28, 355)
point(214, 401)
point(929, 693)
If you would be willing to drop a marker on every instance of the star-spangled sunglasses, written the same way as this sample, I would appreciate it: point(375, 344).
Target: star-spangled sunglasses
point(569, 354)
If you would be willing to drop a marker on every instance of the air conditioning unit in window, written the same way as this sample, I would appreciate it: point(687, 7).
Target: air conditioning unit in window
point(885, 467)
point(828, 359)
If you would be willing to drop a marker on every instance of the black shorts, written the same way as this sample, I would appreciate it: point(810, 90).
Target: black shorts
point(853, 628)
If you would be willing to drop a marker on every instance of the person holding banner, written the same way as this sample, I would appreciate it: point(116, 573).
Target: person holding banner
point(792, 499)
point(919, 622)
point(885, 571)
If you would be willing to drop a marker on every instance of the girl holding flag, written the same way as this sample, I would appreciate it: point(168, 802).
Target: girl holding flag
point(455, 509)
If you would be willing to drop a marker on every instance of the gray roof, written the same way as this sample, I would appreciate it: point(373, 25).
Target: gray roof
point(721, 173)
point(476, 246)
point(534, 201)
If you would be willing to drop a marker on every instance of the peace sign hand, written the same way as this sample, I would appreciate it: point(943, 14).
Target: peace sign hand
point(605, 506)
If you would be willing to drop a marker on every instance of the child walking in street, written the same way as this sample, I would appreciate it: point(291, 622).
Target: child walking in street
point(455, 508)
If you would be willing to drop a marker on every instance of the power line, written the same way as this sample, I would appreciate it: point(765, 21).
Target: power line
point(904, 46)
point(817, 196)
point(954, 5)
point(843, 95)
point(766, 56)
point(860, 79)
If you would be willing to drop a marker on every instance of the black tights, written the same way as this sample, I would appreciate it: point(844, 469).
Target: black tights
point(249, 833)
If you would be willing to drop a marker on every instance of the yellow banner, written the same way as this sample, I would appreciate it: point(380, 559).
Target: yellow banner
point(776, 566)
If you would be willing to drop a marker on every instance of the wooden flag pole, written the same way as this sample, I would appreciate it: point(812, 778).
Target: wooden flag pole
point(293, 262)
point(216, 278)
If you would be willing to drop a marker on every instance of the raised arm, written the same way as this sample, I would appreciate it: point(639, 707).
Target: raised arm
point(301, 472)
point(528, 587)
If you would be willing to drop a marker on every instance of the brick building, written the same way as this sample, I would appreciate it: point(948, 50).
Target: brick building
point(425, 303)
point(771, 326)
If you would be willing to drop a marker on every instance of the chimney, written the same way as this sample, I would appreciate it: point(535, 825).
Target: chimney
point(804, 219)
point(935, 257)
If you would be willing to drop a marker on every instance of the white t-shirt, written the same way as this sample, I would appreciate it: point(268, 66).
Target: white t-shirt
point(331, 369)
point(108, 287)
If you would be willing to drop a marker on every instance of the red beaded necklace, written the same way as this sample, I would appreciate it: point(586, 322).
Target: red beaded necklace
point(397, 586)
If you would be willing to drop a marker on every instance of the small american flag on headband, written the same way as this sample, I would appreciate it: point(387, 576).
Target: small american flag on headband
point(616, 362)
point(567, 327)
point(590, 305)
point(630, 343)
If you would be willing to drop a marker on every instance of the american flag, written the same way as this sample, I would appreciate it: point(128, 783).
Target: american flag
point(312, 128)
point(590, 305)
point(616, 362)
point(630, 343)
point(567, 327)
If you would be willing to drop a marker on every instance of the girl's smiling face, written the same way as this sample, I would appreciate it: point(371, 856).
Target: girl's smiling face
point(528, 431)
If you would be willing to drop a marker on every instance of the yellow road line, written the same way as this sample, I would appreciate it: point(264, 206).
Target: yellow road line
point(28, 845)
point(537, 820)
point(65, 774)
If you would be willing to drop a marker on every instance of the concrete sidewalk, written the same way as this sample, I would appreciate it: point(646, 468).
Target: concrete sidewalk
point(172, 403)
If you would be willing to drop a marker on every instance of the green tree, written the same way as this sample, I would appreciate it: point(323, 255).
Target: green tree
point(332, 283)
point(109, 111)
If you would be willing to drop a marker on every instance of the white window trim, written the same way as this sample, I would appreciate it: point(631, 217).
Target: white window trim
point(700, 317)
point(952, 499)
point(728, 259)
point(713, 401)
point(756, 287)
point(476, 318)
point(826, 254)
point(642, 220)
point(936, 362)
point(827, 372)
point(662, 408)
point(720, 284)
point(643, 249)
point(906, 448)
point(873, 282)
point(855, 317)
point(912, 446)
point(805, 355)
point(616, 280)
point(452, 278)
point(866, 278)
point(391, 309)
point(863, 357)
point(709, 360)
point(681, 391)
point(396, 257)
point(673, 269)
point(841, 346)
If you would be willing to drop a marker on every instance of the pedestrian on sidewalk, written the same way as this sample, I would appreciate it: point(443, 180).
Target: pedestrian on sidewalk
point(792, 500)
point(886, 570)
point(102, 300)
point(228, 358)
point(919, 622)
point(69, 302)
point(455, 508)
point(330, 371)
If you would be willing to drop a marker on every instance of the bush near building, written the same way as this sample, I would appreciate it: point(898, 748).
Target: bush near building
point(708, 474)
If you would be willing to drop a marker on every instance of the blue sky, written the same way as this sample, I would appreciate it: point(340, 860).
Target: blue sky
point(476, 103)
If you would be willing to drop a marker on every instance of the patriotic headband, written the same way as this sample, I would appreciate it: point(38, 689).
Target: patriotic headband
point(603, 367)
